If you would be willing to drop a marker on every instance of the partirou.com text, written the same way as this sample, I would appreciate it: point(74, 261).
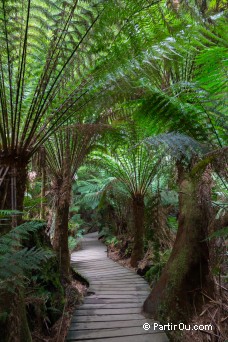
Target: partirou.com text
point(180, 326)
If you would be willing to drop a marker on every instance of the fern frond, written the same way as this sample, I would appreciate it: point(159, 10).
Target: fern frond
point(177, 145)
point(16, 262)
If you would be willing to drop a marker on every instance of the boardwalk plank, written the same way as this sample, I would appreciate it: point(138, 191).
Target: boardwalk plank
point(107, 333)
point(121, 282)
point(120, 296)
point(106, 318)
point(108, 306)
point(138, 338)
point(112, 310)
point(107, 325)
point(112, 300)
point(102, 312)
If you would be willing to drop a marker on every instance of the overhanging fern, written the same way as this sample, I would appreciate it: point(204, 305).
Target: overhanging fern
point(17, 262)
point(177, 145)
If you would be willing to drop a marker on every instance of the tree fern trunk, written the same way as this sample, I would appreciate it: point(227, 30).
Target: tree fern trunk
point(60, 241)
point(15, 328)
point(64, 186)
point(12, 191)
point(14, 186)
point(179, 290)
point(43, 191)
point(17, 323)
point(138, 214)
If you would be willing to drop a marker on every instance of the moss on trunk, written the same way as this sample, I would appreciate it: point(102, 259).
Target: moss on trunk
point(179, 290)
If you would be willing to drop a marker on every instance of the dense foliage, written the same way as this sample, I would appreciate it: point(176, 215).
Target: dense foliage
point(113, 117)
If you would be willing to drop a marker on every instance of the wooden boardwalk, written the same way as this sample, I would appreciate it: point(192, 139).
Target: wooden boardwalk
point(112, 310)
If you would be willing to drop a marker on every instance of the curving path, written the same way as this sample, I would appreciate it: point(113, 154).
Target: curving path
point(111, 312)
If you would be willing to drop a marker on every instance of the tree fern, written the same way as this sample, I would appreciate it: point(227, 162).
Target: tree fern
point(132, 164)
point(53, 59)
point(94, 191)
point(165, 80)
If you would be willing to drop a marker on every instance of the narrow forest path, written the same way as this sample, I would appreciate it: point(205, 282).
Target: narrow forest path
point(112, 310)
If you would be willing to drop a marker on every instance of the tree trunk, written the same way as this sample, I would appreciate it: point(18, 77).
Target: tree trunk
point(63, 184)
point(12, 192)
point(60, 240)
point(179, 290)
point(42, 162)
point(12, 197)
point(16, 328)
point(138, 214)
point(43, 191)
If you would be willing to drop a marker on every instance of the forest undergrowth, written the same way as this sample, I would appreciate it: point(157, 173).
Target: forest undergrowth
point(74, 294)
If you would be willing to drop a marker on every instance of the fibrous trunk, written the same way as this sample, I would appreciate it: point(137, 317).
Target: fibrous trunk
point(60, 240)
point(187, 272)
point(12, 190)
point(43, 190)
point(138, 214)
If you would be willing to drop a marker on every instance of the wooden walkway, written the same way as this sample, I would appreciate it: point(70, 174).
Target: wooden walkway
point(111, 312)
